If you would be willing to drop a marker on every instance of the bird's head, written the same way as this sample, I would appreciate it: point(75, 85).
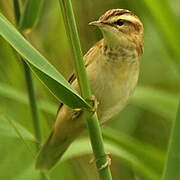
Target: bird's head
point(121, 27)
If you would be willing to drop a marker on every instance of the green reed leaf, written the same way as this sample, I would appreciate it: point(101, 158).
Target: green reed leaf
point(42, 68)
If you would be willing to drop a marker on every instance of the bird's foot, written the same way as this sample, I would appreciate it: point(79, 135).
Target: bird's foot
point(106, 164)
point(93, 102)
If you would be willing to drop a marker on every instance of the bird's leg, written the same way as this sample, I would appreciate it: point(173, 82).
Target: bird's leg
point(93, 102)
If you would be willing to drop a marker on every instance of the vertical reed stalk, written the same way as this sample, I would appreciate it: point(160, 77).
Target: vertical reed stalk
point(92, 123)
point(29, 81)
point(32, 101)
point(30, 84)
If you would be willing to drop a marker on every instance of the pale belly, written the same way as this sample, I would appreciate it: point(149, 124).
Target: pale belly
point(113, 88)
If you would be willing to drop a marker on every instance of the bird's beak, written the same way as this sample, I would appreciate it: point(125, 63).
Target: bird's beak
point(95, 23)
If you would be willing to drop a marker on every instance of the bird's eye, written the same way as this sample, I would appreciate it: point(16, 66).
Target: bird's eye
point(119, 22)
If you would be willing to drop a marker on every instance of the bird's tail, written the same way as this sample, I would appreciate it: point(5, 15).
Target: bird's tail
point(50, 153)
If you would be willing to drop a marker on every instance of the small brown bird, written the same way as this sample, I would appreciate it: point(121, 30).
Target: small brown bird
point(112, 65)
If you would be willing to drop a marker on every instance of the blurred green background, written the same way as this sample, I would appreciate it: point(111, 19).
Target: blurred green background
point(148, 117)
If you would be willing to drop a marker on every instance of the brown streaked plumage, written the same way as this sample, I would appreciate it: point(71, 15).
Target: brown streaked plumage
point(112, 66)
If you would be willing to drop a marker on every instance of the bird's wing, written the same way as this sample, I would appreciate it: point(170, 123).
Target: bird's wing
point(88, 60)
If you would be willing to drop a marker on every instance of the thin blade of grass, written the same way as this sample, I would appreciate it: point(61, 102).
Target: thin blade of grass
point(44, 70)
point(172, 167)
point(32, 101)
point(13, 129)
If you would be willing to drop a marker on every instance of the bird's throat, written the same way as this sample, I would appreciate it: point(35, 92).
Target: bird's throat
point(119, 52)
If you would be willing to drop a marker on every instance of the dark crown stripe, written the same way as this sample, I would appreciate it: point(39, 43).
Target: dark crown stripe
point(115, 12)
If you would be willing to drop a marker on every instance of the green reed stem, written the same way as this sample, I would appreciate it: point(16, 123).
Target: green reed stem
point(28, 75)
point(32, 101)
point(29, 82)
point(92, 123)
